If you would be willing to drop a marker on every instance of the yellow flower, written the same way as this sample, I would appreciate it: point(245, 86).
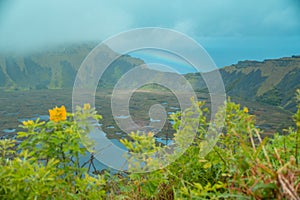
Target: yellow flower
point(86, 106)
point(28, 123)
point(150, 134)
point(58, 114)
point(246, 110)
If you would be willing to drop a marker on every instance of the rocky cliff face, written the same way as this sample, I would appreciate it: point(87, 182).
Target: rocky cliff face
point(271, 81)
point(56, 68)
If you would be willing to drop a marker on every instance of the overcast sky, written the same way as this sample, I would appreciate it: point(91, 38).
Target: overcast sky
point(230, 30)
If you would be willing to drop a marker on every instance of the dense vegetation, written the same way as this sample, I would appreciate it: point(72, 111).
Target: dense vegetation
point(45, 165)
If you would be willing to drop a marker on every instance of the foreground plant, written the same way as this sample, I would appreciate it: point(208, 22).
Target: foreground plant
point(46, 163)
point(242, 165)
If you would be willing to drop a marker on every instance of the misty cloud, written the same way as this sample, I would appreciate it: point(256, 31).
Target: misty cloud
point(34, 23)
point(27, 25)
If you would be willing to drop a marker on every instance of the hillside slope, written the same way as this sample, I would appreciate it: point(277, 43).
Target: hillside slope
point(56, 68)
point(272, 81)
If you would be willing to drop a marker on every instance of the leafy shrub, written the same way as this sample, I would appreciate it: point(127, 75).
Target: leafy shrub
point(46, 163)
point(241, 166)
